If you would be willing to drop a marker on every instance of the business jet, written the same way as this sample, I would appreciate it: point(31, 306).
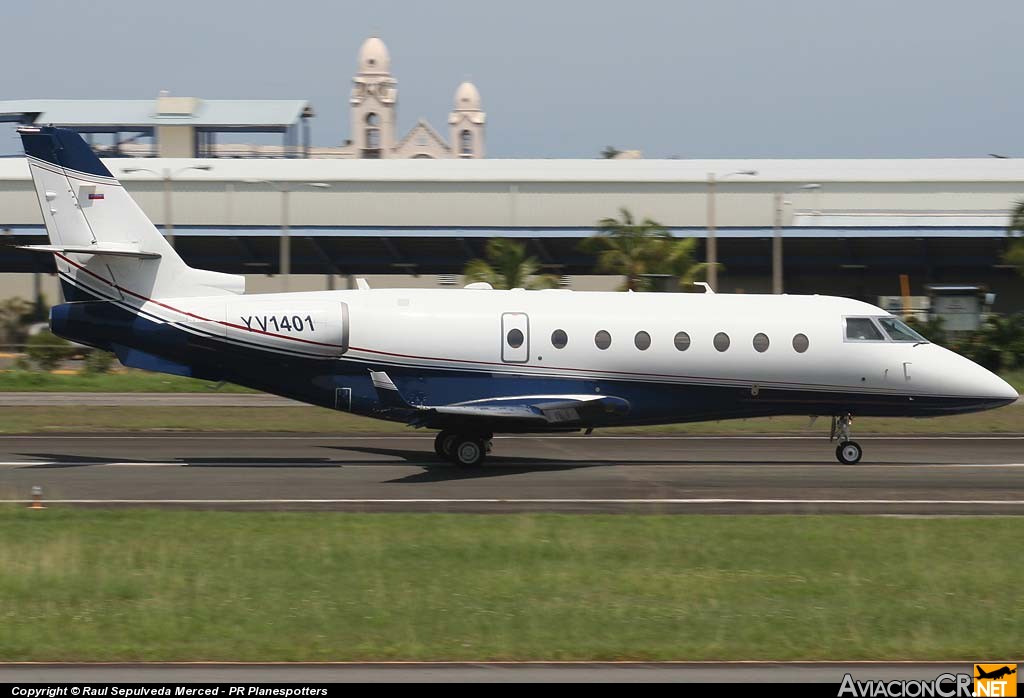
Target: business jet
point(474, 362)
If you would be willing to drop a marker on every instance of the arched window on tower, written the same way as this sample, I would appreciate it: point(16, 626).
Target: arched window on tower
point(372, 148)
point(465, 143)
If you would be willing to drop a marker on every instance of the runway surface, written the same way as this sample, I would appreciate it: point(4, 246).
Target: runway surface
point(668, 474)
point(683, 672)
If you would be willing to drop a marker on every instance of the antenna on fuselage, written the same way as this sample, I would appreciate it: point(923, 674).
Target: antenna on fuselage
point(706, 285)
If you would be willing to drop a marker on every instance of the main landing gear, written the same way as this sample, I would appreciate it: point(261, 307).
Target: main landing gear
point(463, 449)
point(847, 452)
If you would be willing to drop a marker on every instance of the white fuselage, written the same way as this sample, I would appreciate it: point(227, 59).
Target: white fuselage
point(468, 331)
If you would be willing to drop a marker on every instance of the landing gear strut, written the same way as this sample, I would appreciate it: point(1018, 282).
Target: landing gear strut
point(847, 452)
point(462, 449)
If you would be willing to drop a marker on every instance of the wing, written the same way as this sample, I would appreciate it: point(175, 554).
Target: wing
point(513, 413)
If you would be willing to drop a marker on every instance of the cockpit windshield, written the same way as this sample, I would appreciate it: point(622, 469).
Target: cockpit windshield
point(861, 329)
point(898, 331)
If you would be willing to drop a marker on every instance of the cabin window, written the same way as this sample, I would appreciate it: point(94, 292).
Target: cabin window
point(898, 331)
point(642, 340)
point(515, 338)
point(682, 341)
point(559, 339)
point(800, 343)
point(602, 339)
point(721, 341)
point(862, 329)
point(761, 342)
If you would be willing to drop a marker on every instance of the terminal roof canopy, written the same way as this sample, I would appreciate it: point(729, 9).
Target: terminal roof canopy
point(106, 115)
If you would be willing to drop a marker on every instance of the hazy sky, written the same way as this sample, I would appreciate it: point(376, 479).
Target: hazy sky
point(717, 78)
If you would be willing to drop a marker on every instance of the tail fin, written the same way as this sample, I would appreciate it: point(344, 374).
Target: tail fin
point(103, 243)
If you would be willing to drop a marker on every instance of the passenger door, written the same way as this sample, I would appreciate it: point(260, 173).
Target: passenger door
point(515, 337)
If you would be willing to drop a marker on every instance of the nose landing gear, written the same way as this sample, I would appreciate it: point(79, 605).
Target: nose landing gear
point(847, 452)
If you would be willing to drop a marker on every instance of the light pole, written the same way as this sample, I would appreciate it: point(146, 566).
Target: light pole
point(167, 175)
point(777, 235)
point(285, 253)
point(712, 243)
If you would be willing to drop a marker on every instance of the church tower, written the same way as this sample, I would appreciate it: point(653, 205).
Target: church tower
point(466, 123)
point(373, 102)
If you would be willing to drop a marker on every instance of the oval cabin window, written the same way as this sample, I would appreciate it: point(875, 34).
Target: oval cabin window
point(761, 342)
point(800, 343)
point(559, 339)
point(682, 341)
point(721, 341)
point(515, 338)
point(642, 340)
point(602, 339)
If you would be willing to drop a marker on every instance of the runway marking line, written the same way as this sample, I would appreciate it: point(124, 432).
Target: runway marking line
point(184, 461)
point(953, 502)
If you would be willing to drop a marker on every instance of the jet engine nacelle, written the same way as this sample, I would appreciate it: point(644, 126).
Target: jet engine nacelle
point(317, 328)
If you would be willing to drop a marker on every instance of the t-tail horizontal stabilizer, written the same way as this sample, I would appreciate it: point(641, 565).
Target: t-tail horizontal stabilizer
point(109, 249)
point(99, 236)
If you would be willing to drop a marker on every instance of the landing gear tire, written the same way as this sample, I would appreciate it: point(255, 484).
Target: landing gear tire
point(443, 443)
point(849, 452)
point(468, 451)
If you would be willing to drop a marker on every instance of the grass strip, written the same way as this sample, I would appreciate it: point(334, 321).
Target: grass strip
point(122, 381)
point(127, 585)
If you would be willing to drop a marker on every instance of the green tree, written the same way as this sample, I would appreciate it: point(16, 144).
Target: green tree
point(99, 361)
point(1015, 252)
point(681, 261)
point(998, 345)
point(933, 329)
point(46, 350)
point(14, 313)
point(641, 252)
point(1004, 337)
point(507, 266)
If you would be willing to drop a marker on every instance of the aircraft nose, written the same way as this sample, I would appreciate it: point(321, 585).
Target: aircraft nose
point(995, 389)
point(1001, 390)
point(969, 379)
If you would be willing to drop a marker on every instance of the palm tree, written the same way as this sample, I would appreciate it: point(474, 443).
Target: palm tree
point(1015, 252)
point(628, 248)
point(641, 252)
point(507, 266)
point(681, 260)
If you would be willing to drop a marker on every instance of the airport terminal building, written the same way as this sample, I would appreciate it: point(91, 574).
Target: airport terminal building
point(415, 208)
point(420, 221)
